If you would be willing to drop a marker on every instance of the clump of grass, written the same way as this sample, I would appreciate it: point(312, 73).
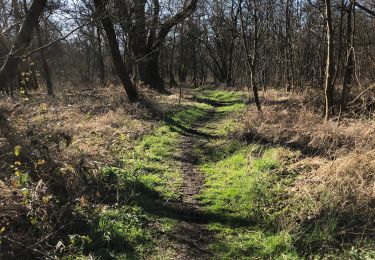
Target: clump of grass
point(245, 243)
point(109, 232)
point(231, 108)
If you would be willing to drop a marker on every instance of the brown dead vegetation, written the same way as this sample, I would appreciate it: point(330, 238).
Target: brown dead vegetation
point(295, 121)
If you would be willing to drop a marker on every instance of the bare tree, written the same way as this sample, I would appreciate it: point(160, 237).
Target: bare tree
point(121, 69)
point(251, 58)
point(146, 43)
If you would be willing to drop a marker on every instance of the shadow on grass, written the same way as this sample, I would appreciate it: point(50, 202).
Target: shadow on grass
point(186, 131)
point(152, 203)
point(303, 147)
point(97, 245)
point(216, 103)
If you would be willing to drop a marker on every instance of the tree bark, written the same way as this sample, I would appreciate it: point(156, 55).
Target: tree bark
point(121, 69)
point(46, 70)
point(251, 59)
point(350, 64)
point(9, 70)
point(329, 68)
point(149, 73)
point(101, 66)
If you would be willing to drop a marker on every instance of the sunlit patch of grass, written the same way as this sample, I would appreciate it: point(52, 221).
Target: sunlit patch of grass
point(247, 184)
point(240, 182)
point(189, 115)
point(231, 108)
point(246, 243)
point(219, 95)
point(224, 126)
point(153, 162)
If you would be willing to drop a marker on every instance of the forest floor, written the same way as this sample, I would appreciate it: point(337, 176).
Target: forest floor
point(189, 180)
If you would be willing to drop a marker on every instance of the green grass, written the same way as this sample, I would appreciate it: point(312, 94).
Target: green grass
point(209, 93)
point(247, 185)
point(231, 108)
point(189, 115)
point(153, 162)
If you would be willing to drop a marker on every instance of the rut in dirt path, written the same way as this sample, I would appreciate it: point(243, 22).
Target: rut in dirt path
point(192, 237)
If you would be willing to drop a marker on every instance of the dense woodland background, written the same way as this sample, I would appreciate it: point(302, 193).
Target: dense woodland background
point(261, 44)
point(78, 76)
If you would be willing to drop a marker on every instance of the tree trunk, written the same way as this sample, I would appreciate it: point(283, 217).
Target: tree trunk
point(9, 70)
point(172, 81)
point(251, 60)
point(121, 69)
point(146, 43)
point(101, 66)
point(328, 78)
point(148, 70)
point(46, 70)
point(350, 64)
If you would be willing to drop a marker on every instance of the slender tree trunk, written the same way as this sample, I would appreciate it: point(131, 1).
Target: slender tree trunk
point(101, 66)
point(172, 81)
point(329, 68)
point(121, 69)
point(251, 59)
point(350, 64)
point(46, 70)
point(289, 48)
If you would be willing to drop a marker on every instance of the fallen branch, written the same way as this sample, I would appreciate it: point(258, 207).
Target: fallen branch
point(360, 95)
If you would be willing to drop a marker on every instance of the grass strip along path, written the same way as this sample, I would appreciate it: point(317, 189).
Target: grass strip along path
point(193, 189)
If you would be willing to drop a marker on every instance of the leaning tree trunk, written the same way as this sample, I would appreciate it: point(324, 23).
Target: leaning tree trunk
point(118, 62)
point(9, 70)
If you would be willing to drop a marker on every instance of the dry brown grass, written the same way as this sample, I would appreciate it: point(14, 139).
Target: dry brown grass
point(345, 185)
point(294, 121)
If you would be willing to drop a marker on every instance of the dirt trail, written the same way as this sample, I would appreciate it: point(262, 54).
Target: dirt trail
point(191, 236)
